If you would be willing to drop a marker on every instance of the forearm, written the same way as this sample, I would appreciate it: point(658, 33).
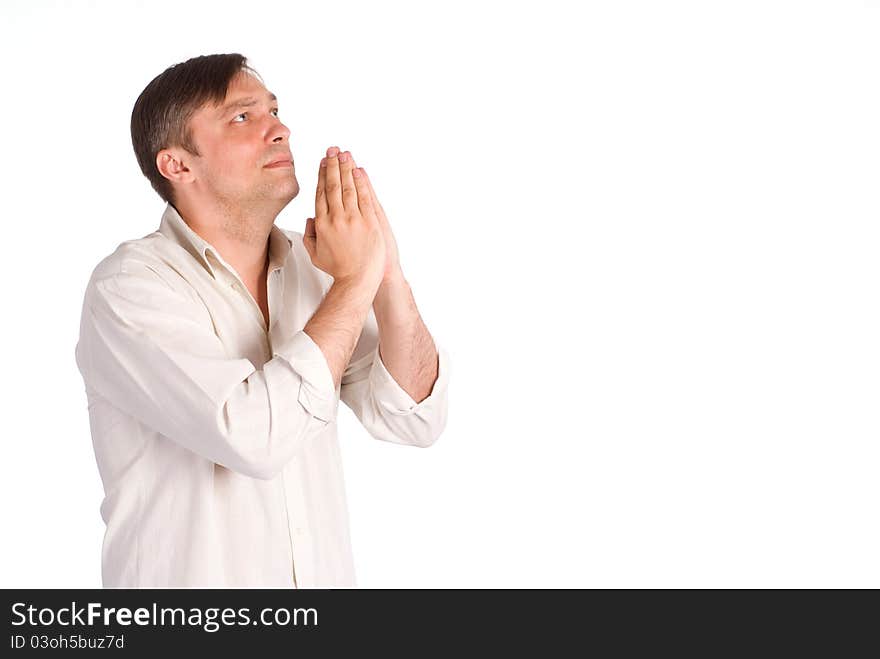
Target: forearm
point(405, 345)
point(337, 324)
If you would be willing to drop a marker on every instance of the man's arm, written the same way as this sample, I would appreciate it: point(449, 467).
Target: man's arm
point(336, 325)
point(382, 406)
point(405, 345)
point(152, 352)
point(397, 388)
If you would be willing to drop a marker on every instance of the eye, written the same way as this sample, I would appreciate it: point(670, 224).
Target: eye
point(244, 114)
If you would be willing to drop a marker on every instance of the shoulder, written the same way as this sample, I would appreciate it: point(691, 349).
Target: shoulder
point(137, 256)
point(141, 267)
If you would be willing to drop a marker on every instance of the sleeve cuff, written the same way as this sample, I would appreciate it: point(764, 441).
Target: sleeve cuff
point(391, 396)
point(316, 392)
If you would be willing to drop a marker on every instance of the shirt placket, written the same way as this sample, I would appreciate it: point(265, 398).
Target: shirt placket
point(292, 495)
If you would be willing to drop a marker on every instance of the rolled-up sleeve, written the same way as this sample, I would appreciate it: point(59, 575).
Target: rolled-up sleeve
point(384, 408)
point(151, 351)
point(317, 392)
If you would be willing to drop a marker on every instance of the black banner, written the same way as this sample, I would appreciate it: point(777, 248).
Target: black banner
point(545, 622)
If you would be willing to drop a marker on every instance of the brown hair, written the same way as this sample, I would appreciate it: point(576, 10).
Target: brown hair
point(161, 114)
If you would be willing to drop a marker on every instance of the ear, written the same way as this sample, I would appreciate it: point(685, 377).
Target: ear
point(172, 166)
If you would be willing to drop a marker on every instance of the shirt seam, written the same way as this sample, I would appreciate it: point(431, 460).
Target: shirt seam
point(289, 535)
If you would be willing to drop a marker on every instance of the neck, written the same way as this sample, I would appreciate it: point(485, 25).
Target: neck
point(241, 237)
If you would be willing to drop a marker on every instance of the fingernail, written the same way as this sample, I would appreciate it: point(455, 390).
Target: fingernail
point(323, 162)
point(332, 151)
point(344, 156)
point(357, 172)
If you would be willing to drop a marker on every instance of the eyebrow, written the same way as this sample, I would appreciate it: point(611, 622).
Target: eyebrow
point(242, 103)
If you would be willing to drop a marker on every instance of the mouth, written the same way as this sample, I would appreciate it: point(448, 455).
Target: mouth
point(279, 163)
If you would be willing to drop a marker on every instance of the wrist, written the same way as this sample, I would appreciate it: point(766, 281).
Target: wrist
point(391, 288)
point(394, 280)
point(362, 288)
point(395, 307)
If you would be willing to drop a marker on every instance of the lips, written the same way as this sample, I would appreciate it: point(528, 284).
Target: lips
point(280, 163)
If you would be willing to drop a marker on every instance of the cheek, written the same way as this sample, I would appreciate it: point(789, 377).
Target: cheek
point(244, 160)
point(234, 157)
point(234, 165)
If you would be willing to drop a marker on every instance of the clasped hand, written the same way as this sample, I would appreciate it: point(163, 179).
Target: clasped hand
point(349, 238)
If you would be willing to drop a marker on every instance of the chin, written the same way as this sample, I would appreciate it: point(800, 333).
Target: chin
point(274, 193)
point(286, 192)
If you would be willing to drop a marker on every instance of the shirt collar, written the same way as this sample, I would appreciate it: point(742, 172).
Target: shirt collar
point(178, 231)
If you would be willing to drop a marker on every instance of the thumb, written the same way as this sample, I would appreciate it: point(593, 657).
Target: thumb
point(310, 238)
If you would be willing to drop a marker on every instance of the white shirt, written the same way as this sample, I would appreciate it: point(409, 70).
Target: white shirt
point(216, 438)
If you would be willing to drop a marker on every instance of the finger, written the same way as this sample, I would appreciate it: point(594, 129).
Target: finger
point(365, 203)
point(332, 182)
point(377, 207)
point(349, 193)
point(321, 208)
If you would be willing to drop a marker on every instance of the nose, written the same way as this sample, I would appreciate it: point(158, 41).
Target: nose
point(278, 132)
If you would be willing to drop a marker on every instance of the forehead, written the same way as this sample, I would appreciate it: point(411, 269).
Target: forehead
point(244, 90)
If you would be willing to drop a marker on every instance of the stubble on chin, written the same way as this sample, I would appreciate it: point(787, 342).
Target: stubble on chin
point(249, 219)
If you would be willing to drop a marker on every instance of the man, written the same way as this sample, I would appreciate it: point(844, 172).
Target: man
point(215, 350)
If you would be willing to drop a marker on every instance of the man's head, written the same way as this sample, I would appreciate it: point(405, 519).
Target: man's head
point(203, 132)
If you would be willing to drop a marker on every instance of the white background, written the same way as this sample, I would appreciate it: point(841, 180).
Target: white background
point(647, 234)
